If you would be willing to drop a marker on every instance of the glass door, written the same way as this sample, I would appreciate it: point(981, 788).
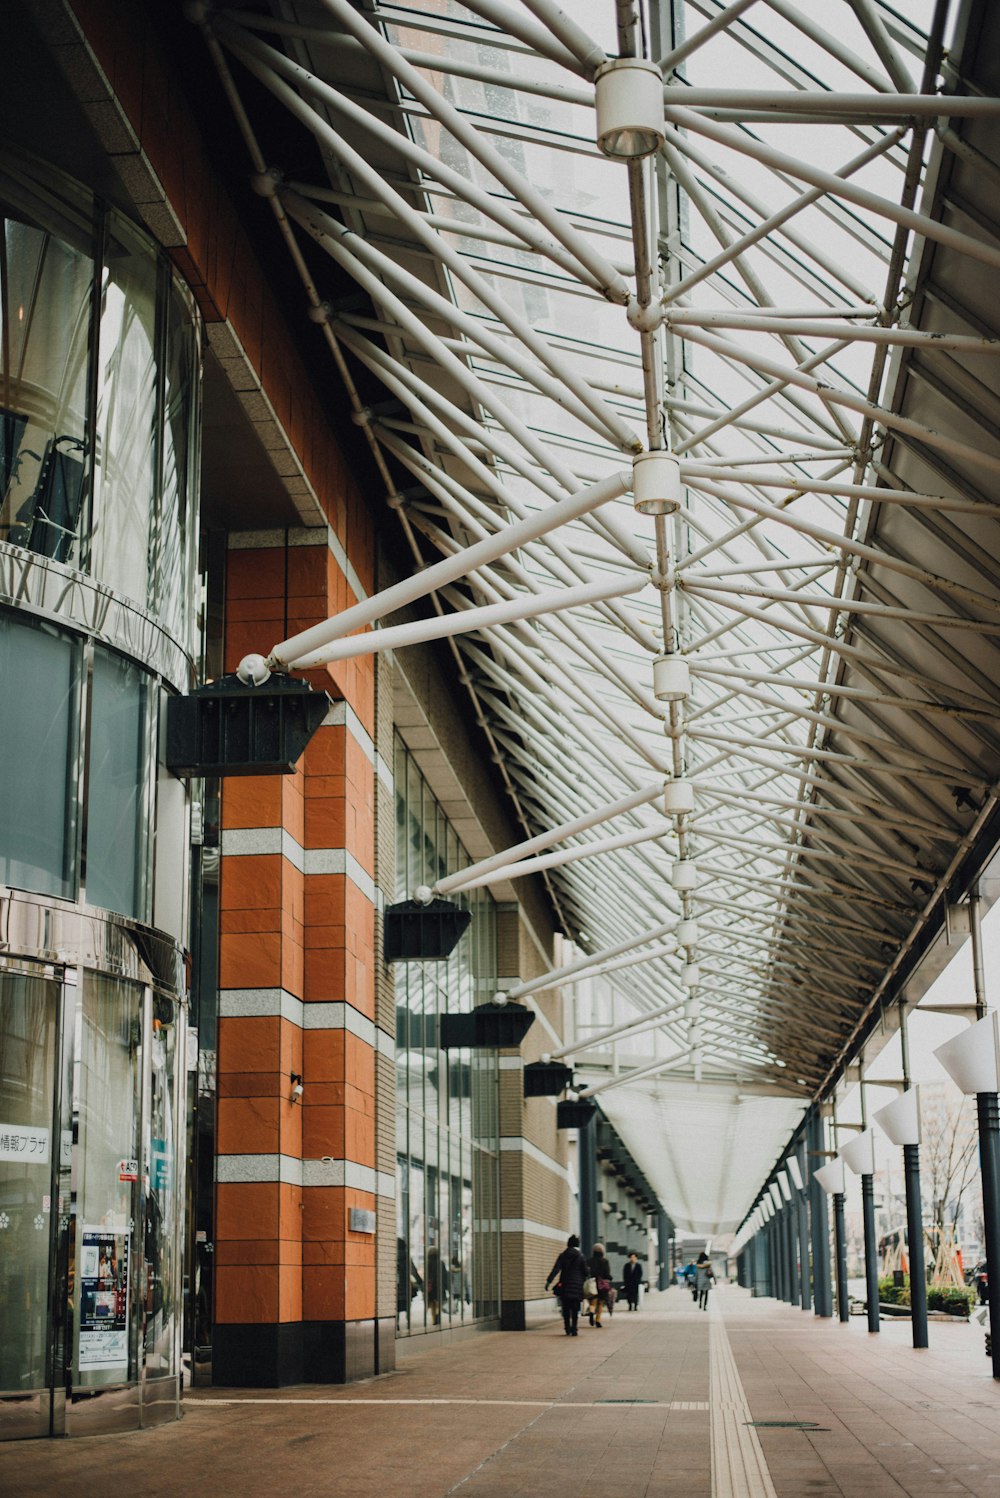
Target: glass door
point(29, 1159)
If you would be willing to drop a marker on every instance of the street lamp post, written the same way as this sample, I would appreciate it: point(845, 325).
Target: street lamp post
point(972, 1060)
point(900, 1120)
point(831, 1178)
point(859, 1155)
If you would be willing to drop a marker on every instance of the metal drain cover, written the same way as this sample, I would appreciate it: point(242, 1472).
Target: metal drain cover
point(785, 1425)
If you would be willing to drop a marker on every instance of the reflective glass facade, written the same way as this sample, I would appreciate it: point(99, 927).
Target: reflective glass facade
point(99, 393)
point(447, 1123)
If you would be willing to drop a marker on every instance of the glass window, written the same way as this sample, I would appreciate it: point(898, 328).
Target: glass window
point(448, 1230)
point(162, 1229)
point(116, 837)
point(176, 526)
point(38, 758)
point(106, 1105)
point(45, 313)
point(125, 470)
point(27, 1075)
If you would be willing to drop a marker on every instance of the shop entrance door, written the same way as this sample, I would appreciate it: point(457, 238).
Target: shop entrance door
point(32, 1291)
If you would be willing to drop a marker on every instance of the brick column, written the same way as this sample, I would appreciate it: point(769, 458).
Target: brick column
point(295, 1279)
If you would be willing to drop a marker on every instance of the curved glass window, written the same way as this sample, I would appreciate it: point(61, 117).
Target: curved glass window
point(98, 394)
point(38, 758)
point(118, 786)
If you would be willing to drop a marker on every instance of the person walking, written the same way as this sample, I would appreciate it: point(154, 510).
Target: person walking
point(600, 1273)
point(704, 1279)
point(569, 1272)
point(631, 1280)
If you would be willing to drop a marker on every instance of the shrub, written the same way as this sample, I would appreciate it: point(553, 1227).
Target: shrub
point(954, 1299)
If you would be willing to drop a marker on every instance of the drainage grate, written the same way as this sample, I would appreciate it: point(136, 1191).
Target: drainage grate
point(626, 1401)
point(785, 1425)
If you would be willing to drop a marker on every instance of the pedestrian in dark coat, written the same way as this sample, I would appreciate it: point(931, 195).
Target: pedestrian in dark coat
point(704, 1280)
point(632, 1279)
point(569, 1272)
point(600, 1271)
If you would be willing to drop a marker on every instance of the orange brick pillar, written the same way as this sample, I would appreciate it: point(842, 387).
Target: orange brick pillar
point(297, 1182)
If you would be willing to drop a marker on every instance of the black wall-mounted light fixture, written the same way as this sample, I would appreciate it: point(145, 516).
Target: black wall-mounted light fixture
point(232, 727)
point(297, 1088)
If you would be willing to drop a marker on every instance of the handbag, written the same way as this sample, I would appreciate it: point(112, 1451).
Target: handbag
point(590, 1287)
point(557, 1289)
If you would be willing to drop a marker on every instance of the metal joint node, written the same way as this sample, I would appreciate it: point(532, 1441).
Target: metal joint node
point(267, 183)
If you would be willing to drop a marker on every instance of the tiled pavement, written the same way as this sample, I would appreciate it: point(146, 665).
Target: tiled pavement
point(656, 1403)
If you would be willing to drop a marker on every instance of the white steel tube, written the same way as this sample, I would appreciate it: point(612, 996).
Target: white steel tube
point(573, 37)
point(777, 322)
point(632, 1076)
point(267, 65)
point(835, 186)
point(875, 28)
point(831, 396)
point(613, 285)
point(719, 22)
point(397, 636)
point(539, 38)
point(570, 970)
point(508, 539)
point(889, 106)
point(572, 855)
point(651, 1017)
point(531, 845)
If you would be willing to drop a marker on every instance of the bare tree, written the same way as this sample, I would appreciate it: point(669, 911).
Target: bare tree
point(948, 1167)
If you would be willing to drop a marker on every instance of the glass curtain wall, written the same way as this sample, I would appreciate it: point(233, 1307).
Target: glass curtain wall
point(98, 394)
point(447, 1127)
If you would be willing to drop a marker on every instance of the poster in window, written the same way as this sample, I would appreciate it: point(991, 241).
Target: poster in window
point(104, 1299)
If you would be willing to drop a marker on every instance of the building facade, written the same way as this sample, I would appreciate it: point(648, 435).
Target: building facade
point(232, 1148)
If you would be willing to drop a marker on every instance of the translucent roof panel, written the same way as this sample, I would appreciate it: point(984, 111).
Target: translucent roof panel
point(791, 295)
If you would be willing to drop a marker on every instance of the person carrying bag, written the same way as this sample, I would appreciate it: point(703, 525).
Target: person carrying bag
point(569, 1272)
point(600, 1282)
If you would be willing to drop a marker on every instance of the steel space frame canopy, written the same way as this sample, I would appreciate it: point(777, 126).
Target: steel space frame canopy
point(791, 294)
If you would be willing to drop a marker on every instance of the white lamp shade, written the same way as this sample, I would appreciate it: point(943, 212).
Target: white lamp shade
point(691, 1007)
point(775, 1196)
point(678, 798)
point(900, 1119)
point(795, 1174)
point(629, 98)
point(671, 678)
point(690, 975)
point(859, 1153)
point(970, 1059)
point(684, 874)
point(656, 483)
point(831, 1177)
point(783, 1185)
point(687, 933)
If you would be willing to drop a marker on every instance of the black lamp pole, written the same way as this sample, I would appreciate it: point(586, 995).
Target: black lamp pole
point(988, 1110)
point(871, 1249)
point(819, 1222)
point(840, 1253)
point(915, 1244)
